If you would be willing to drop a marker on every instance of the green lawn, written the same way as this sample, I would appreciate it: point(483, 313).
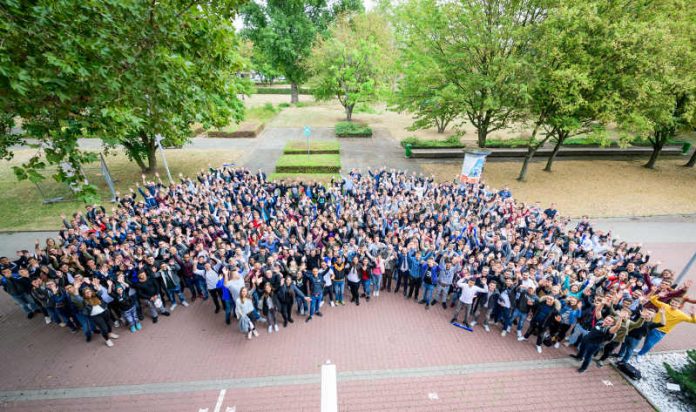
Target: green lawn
point(315, 147)
point(256, 114)
point(22, 208)
point(302, 163)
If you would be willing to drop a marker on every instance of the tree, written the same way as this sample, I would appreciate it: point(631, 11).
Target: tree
point(121, 71)
point(352, 63)
point(661, 104)
point(422, 88)
point(480, 46)
point(283, 32)
point(686, 375)
point(572, 90)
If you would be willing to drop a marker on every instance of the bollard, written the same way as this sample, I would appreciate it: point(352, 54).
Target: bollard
point(408, 149)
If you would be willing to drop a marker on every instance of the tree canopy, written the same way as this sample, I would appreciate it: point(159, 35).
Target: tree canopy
point(120, 71)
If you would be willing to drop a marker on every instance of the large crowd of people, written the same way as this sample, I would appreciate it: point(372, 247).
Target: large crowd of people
point(272, 252)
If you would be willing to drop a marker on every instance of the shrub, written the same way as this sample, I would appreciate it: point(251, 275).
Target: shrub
point(315, 147)
point(507, 143)
point(305, 177)
point(352, 129)
point(452, 142)
point(686, 376)
point(273, 90)
point(587, 141)
point(283, 105)
point(317, 163)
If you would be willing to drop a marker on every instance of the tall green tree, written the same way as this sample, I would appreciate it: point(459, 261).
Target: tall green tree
point(662, 101)
point(283, 32)
point(422, 88)
point(480, 47)
point(352, 63)
point(121, 71)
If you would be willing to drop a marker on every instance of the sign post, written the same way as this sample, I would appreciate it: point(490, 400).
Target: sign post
point(472, 167)
point(307, 133)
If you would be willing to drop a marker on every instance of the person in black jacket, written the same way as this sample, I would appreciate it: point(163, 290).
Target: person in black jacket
point(19, 289)
point(544, 310)
point(98, 313)
point(127, 306)
point(286, 295)
point(148, 289)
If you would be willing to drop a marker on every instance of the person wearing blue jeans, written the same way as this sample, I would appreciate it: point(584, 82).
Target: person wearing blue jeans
point(339, 290)
point(316, 289)
point(637, 334)
point(430, 273)
point(593, 341)
point(654, 337)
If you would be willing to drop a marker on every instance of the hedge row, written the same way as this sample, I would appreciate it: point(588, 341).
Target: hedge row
point(352, 129)
point(317, 163)
point(315, 147)
point(452, 142)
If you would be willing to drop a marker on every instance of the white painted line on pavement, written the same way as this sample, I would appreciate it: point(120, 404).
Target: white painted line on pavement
point(231, 409)
point(203, 410)
point(218, 405)
point(329, 392)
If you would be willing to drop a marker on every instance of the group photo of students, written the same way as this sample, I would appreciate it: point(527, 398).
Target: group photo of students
point(267, 255)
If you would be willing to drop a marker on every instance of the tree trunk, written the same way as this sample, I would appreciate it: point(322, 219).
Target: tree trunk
point(549, 163)
point(692, 160)
point(294, 93)
point(528, 158)
point(151, 157)
point(657, 149)
point(441, 127)
point(349, 112)
point(482, 133)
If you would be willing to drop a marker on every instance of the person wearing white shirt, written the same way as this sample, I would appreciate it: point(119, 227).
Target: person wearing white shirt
point(469, 291)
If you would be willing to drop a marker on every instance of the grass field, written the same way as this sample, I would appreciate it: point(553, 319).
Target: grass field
point(22, 208)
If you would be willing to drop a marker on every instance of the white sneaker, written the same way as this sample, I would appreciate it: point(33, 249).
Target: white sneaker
point(519, 333)
point(109, 343)
point(473, 324)
point(377, 293)
point(275, 327)
point(538, 348)
point(62, 325)
point(321, 303)
point(557, 345)
point(255, 332)
point(333, 304)
point(302, 312)
point(521, 338)
point(486, 328)
point(174, 305)
point(117, 324)
point(249, 335)
point(113, 336)
point(503, 333)
point(185, 303)
point(270, 329)
point(47, 319)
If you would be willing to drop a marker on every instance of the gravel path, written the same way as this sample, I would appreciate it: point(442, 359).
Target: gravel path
point(653, 384)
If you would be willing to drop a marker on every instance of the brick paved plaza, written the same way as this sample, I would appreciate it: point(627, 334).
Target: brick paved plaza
point(390, 354)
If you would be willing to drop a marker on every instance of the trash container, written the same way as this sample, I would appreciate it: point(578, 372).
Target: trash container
point(408, 149)
point(686, 147)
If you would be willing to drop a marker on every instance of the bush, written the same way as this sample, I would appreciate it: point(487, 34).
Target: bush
point(305, 177)
point(587, 141)
point(686, 376)
point(452, 142)
point(317, 163)
point(283, 105)
point(508, 143)
point(273, 90)
point(315, 147)
point(352, 129)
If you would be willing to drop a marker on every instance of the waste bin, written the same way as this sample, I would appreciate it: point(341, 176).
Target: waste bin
point(686, 147)
point(408, 149)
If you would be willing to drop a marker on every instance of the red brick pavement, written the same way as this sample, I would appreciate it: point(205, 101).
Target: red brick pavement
point(194, 345)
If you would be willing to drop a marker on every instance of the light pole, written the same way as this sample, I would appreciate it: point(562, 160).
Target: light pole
point(158, 139)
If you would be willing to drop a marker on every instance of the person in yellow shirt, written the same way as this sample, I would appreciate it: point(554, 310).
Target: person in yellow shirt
point(673, 316)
